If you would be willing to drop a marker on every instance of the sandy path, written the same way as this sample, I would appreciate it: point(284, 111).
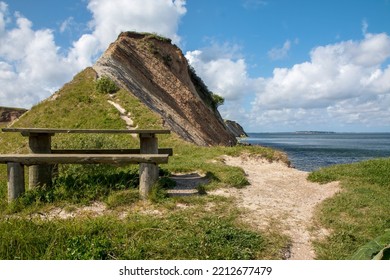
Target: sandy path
point(280, 196)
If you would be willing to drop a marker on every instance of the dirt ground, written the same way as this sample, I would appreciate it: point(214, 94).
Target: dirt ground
point(280, 196)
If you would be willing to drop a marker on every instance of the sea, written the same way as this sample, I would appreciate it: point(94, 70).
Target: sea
point(309, 151)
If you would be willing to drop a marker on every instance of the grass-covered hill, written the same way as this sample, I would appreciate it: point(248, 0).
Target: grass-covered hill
point(192, 227)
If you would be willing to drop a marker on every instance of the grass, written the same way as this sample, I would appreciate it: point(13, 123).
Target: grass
point(177, 236)
point(197, 227)
point(360, 212)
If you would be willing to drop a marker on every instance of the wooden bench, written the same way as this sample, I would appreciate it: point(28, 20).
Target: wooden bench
point(16, 162)
point(41, 157)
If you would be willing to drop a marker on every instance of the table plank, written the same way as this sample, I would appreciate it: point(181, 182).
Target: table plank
point(33, 159)
point(28, 131)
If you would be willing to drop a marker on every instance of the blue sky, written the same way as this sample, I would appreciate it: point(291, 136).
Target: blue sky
point(282, 65)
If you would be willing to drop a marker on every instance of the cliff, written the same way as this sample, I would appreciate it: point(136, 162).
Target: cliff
point(235, 128)
point(10, 114)
point(158, 74)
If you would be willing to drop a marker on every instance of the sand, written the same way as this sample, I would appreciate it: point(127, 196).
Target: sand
point(280, 197)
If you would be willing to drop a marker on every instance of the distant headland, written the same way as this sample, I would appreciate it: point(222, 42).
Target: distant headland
point(315, 132)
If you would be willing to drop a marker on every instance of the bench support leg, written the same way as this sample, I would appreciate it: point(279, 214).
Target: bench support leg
point(148, 171)
point(148, 176)
point(40, 175)
point(15, 173)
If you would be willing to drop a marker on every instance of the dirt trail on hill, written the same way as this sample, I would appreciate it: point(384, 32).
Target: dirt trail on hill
point(281, 197)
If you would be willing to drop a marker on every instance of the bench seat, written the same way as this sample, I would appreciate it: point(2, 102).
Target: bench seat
point(35, 159)
point(16, 162)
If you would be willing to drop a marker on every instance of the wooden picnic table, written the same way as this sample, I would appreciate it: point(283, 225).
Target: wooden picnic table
point(39, 142)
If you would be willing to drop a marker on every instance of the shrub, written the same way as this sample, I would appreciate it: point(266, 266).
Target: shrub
point(106, 85)
point(217, 100)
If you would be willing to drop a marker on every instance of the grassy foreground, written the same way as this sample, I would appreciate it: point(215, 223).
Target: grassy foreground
point(196, 227)
point(359, 213)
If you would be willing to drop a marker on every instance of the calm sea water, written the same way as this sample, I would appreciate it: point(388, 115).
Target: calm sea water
point(311, 151)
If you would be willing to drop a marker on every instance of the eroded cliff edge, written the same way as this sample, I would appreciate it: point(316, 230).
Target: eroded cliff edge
point(157, 73)
point(8, 114)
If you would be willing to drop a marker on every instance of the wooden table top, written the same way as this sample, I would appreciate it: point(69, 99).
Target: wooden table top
point(28, 131)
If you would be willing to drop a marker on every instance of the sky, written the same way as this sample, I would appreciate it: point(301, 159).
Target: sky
point(281, 65)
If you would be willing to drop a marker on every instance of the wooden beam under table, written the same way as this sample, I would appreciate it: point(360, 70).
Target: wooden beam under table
point(168, 151)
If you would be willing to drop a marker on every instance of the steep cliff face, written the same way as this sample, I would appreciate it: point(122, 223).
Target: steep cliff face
point(235, 128)
point(157, 73)
point(10, 114)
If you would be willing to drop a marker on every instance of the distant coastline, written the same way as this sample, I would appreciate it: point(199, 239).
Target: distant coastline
point(314, 132)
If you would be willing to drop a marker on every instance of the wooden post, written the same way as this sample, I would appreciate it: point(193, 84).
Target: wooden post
point(148, 171)
point(15, 173)
point(40, 175)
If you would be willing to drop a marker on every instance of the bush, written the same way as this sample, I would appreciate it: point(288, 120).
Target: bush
point(106, 85)
point(217, 100)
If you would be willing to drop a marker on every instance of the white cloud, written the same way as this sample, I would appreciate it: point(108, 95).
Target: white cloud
point(29, 63)
point(32, 65)
point(345, 84)
point(222, 71)
point(66, 24)
point(280, 53)
point(161, 16)
point(340, 83)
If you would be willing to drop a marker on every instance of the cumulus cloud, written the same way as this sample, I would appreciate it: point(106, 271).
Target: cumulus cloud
point(161, 16)
point(347, 83)
point(222, 70)
point(339, 82)
point(32, 66)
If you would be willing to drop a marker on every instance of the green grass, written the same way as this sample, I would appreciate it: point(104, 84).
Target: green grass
point(207, 227)
point(360, 212)
point(177, 236)
point(196, 227)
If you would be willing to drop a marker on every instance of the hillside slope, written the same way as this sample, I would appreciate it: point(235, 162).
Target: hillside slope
point(157, 73)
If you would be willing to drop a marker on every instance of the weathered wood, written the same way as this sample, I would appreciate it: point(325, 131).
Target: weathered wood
point(29, 131)
point(120, 159)
point(168, 151)
point(41, 159)
point(40, 175)
point(148, 171)
point(15, 174)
